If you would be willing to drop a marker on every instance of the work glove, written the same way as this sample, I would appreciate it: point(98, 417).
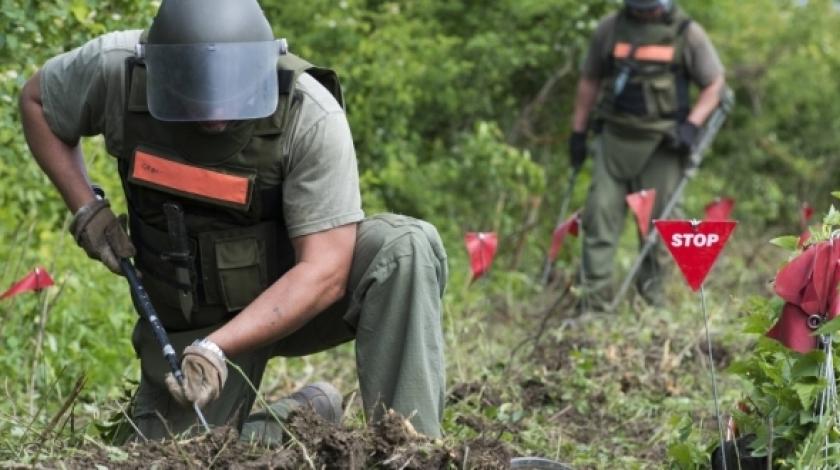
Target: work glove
point(101, 234)
point(205, 372)
point(577, 149)
point(686, 136)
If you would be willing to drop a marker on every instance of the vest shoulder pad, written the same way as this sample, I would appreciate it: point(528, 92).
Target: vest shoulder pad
point(290, 66)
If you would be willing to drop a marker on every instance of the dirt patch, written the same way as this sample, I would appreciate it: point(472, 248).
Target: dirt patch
point(486, 395)
point(391, 443)
point(537, 393)
point(720, 353)
point(557, 355)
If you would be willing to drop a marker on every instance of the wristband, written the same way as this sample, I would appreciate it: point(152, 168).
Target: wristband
point(210, 346)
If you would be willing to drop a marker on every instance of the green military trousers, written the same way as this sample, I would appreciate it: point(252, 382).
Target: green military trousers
point(392, 309)
point(604, 217)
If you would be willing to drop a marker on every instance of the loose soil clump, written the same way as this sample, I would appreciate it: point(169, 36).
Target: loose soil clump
point(391, 443)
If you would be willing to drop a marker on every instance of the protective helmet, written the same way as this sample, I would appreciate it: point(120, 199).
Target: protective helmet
point(649, 4)
point(211, 60)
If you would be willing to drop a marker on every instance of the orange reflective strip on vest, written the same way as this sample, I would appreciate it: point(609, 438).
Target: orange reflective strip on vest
point(645, 53)
point(168, 174)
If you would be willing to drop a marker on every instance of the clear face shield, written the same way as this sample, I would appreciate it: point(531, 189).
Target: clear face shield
point(212, 82)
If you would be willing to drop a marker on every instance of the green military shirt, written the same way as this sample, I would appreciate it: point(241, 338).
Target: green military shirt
point(83, 94)
point(699, 56)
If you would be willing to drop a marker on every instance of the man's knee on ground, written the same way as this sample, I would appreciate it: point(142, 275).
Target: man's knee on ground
point(406, 237)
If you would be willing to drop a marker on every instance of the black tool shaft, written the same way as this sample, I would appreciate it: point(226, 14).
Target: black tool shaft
point(147, 310)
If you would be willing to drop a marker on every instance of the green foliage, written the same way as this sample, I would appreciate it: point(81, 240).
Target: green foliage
point(685, 451)
point(460, 113)
point(783, 387)
point(779, 148)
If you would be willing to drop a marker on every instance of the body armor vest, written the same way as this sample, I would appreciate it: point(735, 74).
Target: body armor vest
point(646, 85)
point(228, 188)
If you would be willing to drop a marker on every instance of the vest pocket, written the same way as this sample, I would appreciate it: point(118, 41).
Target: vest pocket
point(241, 272)
point(664, 94)
point(632, 100)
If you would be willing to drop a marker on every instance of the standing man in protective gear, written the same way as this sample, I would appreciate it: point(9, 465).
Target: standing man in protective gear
point(633, 95)
point(245, 218)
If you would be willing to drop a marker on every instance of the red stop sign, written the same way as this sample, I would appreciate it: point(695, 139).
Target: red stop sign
point(695, 245)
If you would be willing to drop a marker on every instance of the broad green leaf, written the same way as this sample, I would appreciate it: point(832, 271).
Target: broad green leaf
point(833, 217)
point(807, 392)
point(829, 327)
point(80, 11)
point(681, 454)
point(808, 365)
point(788, 242)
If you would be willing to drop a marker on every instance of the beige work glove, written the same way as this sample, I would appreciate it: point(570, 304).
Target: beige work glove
point(101, 234)
point(205, 372)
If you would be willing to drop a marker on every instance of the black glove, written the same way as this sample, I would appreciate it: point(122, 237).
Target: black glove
point(686, 137)
point(577, 149)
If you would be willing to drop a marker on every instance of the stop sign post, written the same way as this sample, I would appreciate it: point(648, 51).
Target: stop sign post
point(695, 246)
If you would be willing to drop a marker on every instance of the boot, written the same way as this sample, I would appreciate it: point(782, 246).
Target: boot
point(263, 426)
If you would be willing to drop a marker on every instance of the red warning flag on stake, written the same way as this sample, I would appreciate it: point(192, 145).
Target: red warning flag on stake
point(34, 281)
point(481, 247)
point(570, 227)
point(806, 212)
point(641, 203)
point(720, 209)
point(695, 245)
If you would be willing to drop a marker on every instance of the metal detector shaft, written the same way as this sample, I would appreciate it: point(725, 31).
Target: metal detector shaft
point(710, 131)
point(564, 209)
point(147, 310)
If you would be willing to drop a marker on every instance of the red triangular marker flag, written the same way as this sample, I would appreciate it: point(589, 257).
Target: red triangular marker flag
point(641, 204)
point(719, 209)
point(34, 281)
point(571, 227)
point(794, 276)
point(695, 245)
point(793, 331)
point(482, 249)
point(805, 214)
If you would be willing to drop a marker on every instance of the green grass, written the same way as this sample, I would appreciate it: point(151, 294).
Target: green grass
point(601, 391)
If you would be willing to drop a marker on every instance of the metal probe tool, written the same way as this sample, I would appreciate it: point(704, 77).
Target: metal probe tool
point(144, 306)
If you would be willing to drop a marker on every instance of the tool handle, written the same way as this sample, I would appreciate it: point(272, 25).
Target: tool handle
point(147, 311)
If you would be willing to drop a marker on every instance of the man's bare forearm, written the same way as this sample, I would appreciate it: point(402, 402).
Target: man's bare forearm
point(61, 162)
point(312, 285)
point(587, 94)
point(707, 101)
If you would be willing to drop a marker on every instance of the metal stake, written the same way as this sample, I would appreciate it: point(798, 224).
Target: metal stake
point(828, 399)
point(714, 378)
point(564, 208)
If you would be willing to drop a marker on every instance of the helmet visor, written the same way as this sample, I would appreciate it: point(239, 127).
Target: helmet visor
point(211, 82)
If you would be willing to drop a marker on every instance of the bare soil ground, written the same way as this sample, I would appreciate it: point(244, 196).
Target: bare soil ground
point(389, 444)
